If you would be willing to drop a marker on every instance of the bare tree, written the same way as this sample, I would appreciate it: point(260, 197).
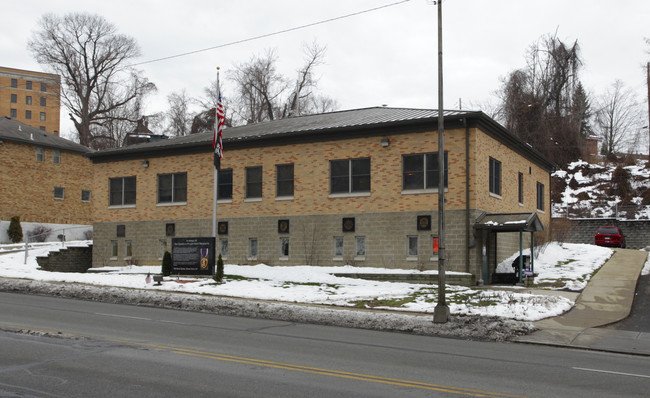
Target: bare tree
point(618, 118)
point(92, 59)
point(544, 103)
point(178, 115)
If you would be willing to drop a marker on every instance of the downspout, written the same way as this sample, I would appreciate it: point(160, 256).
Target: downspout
point(467, 218)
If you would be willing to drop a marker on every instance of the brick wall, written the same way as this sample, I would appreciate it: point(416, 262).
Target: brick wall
point(52, 108)
point(27, 188)
point(70, 259)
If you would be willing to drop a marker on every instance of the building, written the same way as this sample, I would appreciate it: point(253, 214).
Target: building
point(45, 178)
point(352, 187)
point(31, 97)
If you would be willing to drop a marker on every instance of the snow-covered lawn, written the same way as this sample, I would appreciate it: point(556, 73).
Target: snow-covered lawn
point(566, 266)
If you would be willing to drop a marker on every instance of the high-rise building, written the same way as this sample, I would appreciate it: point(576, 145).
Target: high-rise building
point(31, 97)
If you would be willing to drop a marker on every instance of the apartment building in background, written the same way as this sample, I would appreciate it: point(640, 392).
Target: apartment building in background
point(32, 98)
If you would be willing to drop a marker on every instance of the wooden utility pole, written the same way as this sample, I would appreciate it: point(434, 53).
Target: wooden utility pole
point(648, 84)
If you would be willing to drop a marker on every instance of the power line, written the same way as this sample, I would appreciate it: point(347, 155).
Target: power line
point(272, 34)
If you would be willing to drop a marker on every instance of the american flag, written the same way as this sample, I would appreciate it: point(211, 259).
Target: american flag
point(217, 142)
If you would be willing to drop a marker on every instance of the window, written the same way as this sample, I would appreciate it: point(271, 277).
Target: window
point(361, 246)
point(495, 176)
point(540, 196)
point(43, 87)
point(421, 171)
point(284, 247)
point(121, 191)
point(252, 247)
point(40, 154)
point(172, 188)
point(113, 249)
point(14, 98)
point(56, 156)
point(338, 246)
point(224, 190)
point(412, 246)
point(520, 185)
point(223, 247)
point(85, 195)
point(28, 85)
point(43, 101)
point(28, 100)
point(42, 116)
point(14, 83)
point(254, 182)
point(350, 176)
point(284, 177)
point(42, 128)
point(14, 113)
point(128, 248)
point(59, 193)
point(28, 115)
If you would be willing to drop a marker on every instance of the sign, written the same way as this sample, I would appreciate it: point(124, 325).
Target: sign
point(193, 256)
point(436, 245)
point(528, 273)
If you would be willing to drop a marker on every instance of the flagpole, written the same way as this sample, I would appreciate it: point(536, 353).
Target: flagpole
point(216, 172)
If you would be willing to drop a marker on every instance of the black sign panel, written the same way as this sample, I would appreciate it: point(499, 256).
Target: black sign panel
point(424, 223)
point(193, 256)
point(348, 224)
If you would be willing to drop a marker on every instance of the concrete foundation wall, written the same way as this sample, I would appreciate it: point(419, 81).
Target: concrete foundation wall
point(311, 240)
point(637, 232)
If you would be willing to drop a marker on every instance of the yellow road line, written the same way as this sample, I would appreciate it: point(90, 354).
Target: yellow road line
point(324, 372)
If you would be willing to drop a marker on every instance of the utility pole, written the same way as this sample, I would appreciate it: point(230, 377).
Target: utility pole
point(648, 84)
point(441, 312)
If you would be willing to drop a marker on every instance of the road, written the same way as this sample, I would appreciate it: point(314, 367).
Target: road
point(106, 350)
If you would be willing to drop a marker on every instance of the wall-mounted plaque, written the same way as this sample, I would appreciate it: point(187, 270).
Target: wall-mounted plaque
point(283, 226)
point(348, 224)
point(424, 223)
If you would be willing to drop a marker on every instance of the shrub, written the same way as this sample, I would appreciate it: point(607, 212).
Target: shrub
point(40, 233)
point(15, 231)
point(218, 276)
point(620, 185)
point(167, 264)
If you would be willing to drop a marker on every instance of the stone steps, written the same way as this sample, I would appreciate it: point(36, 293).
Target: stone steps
point(69, 259)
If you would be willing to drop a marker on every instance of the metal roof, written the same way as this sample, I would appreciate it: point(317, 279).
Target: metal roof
point(301, 125)
point(510, 222)
point(14, 131)
point(325, 126)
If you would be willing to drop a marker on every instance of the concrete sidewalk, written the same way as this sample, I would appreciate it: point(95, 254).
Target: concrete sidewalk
point(607, 299)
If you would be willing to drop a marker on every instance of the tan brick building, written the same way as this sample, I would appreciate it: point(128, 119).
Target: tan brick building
point(352, 187)
point(45, 178)
point(31, 97)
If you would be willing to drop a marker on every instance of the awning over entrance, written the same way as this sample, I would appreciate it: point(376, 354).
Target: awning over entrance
point(509, 222)
point(490, 225)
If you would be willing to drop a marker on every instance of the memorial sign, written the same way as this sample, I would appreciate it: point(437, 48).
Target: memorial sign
point(193, 256)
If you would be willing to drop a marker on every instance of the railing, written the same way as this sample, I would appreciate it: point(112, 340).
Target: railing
point(60, 236)
point(602, 210)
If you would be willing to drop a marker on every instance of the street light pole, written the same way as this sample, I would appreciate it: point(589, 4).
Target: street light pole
point(441, 312)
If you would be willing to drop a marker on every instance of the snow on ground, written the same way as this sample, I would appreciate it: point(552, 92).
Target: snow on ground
point(566, 266)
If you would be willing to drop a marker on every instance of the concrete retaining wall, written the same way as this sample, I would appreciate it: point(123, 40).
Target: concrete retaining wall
point(637, 232)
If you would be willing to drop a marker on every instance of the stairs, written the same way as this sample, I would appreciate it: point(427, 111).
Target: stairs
point(68, 259)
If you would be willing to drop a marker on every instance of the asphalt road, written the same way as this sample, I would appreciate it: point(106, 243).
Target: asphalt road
point(95, 349)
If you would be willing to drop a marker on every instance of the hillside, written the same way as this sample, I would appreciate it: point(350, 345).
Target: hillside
point(587, 190)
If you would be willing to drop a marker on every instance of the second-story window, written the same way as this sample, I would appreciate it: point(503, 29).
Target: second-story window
point(350, 176)
point(420, 171)
point(122, 191)
point(56, 156)
point(254, 182)
point(495, 176)
point(28, 85)
point(284, 177)
point(40, 154)
point(224, 190)
point(172, 188)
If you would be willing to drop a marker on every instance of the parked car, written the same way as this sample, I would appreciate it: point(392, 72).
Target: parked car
point(610, 236)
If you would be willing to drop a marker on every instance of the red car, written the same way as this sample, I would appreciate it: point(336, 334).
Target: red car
point(610, 236)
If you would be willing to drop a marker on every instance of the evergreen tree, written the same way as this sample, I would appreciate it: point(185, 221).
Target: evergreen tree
point(167, 264)
point(15, 231)
point(219, 275)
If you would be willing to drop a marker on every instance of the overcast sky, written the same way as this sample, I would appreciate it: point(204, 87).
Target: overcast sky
point(388, 56)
